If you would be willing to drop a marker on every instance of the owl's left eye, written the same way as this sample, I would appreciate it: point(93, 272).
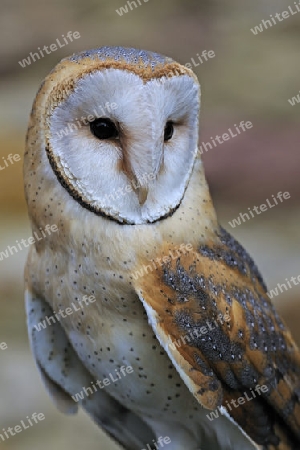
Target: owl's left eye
point(104, 128)
point(169, 130)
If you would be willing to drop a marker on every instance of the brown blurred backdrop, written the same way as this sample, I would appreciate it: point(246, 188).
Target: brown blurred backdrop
point(250, 78)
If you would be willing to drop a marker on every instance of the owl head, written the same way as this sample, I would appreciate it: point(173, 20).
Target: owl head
point(118, 128)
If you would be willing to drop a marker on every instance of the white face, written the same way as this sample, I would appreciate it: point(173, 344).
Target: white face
point(127, 147)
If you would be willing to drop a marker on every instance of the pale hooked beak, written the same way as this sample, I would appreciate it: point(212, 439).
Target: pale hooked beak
point(142, 194)
point(140, 190)
point(141, 181)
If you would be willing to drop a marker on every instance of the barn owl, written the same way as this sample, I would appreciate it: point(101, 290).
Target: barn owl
point(178, 324)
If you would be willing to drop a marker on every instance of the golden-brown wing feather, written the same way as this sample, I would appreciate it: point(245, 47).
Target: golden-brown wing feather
point(210, 311)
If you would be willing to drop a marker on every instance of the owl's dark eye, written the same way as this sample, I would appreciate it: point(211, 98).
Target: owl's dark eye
point(104, 128)
point(169, 130)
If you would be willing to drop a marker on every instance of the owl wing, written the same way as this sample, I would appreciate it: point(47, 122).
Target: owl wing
point(64, 375)
point(210, 311)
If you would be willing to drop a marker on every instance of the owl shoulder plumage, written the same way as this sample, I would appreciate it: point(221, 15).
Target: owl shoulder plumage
point(210, 311)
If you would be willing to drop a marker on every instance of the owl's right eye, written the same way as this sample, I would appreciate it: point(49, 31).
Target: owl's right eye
point(104, 128)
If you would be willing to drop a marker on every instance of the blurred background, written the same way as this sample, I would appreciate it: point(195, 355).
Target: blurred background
point(250, 78)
